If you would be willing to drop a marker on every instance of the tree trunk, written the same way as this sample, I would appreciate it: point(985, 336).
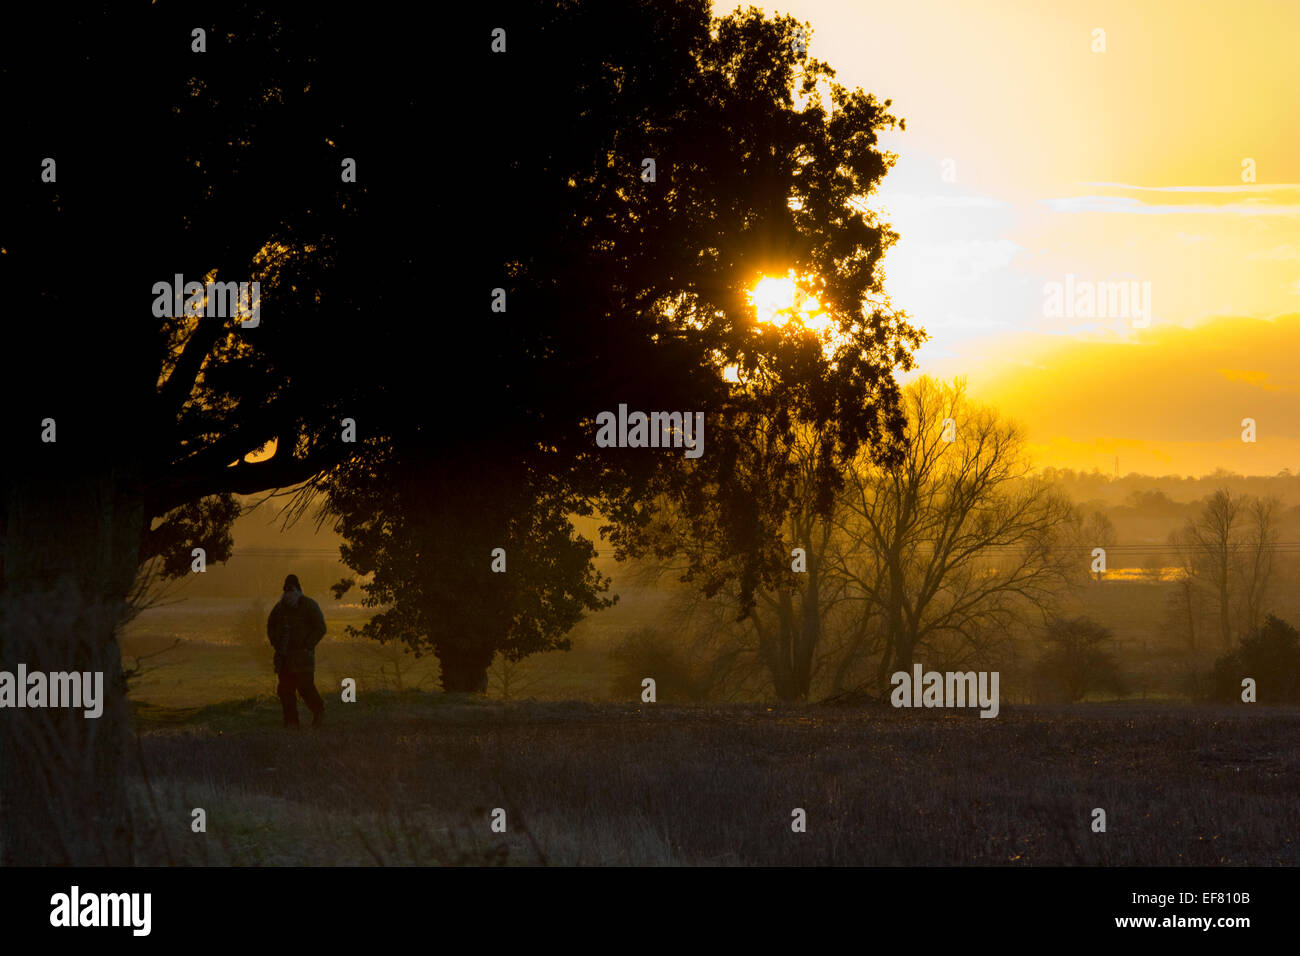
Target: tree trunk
point(71, 545)
point(464, 670)
point(809, 634)
point(785, 680)
point(903, 654)
point(901, 638)
point(850, 657)
point(775, 644)
point(1225, 612)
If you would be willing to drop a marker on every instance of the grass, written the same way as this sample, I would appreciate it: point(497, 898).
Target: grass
point(220, 658)
point(413, 778)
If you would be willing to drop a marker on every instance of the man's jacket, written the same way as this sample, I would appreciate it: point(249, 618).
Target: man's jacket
point(294, 632)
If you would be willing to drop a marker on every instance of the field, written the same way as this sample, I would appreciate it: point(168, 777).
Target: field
point(224, 655)
point(587, 774)
point(413, 778)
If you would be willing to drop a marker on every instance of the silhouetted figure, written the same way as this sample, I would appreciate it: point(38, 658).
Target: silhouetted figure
point(294, 628)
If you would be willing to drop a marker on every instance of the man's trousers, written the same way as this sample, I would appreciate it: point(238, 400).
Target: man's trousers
point(298, 682)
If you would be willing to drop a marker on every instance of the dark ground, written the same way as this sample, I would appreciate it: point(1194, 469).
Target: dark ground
point(413, 778)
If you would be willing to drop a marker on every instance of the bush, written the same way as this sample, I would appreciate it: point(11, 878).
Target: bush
point(641, 654)
point(1075, 663)
point(1271, 655)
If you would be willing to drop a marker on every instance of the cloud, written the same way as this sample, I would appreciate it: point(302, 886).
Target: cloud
point(1126, 204)
point(1244, 188)
point(1246, 200)
point(1283, 253)
point(960, 259)
point(1256, 377)
point(1180, 391)
point(954, 321)
point(934, 201)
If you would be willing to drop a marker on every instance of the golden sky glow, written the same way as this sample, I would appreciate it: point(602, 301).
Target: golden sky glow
point(1029, 158)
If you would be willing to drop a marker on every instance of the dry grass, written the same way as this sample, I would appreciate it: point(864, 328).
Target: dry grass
point(412, 779)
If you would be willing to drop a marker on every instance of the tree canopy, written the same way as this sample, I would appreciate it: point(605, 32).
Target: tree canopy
point(220, 157)
point(206, 142)
point(637, 175)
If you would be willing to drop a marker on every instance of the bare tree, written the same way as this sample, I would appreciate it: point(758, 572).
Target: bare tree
point(1212, 548)
point(1076, 661)
point(947, 550)
point(150, 590)
point(784, 629)
point(1185, 601)
point(392, 665)
point(1096, 531)
point(507, 678)
point(958, 542)
point(1227, 554)
point(790, 623)
point(1256, 569)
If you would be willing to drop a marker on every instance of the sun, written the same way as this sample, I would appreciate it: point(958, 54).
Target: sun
point(770, 296)
point(778, 299)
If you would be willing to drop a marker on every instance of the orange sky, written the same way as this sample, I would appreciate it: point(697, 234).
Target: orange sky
point(1029, 158)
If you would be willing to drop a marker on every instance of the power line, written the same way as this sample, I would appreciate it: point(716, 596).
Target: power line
point(1278, 547)
point(282, 552)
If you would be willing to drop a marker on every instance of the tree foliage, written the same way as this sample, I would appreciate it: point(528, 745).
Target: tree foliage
point(622, 289)
point(1076, 662)
point(430, 548)
point(1270, 654)
point(233, 175)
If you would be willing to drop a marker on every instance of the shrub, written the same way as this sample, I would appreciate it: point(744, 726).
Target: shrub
point(1075, 662)
point(1271, 655)
point(643, 653)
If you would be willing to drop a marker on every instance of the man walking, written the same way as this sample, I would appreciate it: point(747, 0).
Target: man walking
point(295, 627)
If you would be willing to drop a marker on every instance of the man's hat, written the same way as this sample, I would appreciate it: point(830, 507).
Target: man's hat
point(292, 582)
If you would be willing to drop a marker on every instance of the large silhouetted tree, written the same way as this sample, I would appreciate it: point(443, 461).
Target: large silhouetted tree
point(477, 170)
point(465, 569)
point(642, 165)
point(126, 433)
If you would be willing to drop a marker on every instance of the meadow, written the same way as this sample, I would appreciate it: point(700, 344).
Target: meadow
point(588, 774)
point(414, 778)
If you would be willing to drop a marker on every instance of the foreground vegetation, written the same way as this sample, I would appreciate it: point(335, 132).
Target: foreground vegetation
point(413, 778)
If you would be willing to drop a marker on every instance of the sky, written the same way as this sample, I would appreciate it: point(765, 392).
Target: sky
point(1162, 154)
